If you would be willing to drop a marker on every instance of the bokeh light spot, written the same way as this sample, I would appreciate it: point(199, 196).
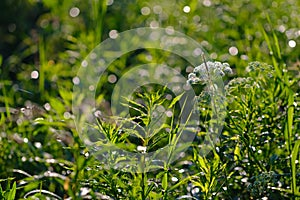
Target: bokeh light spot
point(292, 43)
point(169, 113)
point(112, 78)
point(186, 9)
point(154, 24)
point(233, 51)
point(84, 63)
point(145, 11)
point(47, 106)
point(207, 3)
point(34, 74)
point(113, 34)
point(12, 28)
point(91, 88)
point(76, 80)
point(67, 115)
point(109, 2)
point(157, 9)
point(170, 30)
point(74, 12)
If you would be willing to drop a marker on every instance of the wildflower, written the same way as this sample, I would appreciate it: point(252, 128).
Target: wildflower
point(208, 71)
point(228, 70)
point(256, 68)
point(192, 78)
point(142, 149)
point(192, 75)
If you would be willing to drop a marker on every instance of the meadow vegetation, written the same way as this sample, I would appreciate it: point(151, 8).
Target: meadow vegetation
point(42, 46)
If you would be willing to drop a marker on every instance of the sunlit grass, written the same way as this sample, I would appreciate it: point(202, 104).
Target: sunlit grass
point(255, 157)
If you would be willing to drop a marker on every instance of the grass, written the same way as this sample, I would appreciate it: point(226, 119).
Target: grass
point(256, 155)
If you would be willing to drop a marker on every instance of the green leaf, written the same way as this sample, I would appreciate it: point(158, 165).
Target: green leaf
point(165, 181)
point(181, 182)
point(66, 95)
point(1, 193)
point(199, 184)
point(149, 189)
point(12, 192)
point(237, 152)
point(154, 195)
point(175, 100)
point(57, 105)
point(202, 162)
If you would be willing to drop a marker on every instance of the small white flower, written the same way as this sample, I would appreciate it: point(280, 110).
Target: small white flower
point(219, 72)
point(227, 70)
point(226, 65)
point(218, 65)
point(207, 71)
point(141, 149)
point(192, 76)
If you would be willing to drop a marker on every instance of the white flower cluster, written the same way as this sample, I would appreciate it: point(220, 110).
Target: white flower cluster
point(208, 71)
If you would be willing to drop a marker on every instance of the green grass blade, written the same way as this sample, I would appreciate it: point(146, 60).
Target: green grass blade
point(275, 64)
point(275, 38)
point(290, 113)
point(295, 154)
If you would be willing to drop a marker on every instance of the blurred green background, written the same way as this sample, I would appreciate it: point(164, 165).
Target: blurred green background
point(59, 34)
